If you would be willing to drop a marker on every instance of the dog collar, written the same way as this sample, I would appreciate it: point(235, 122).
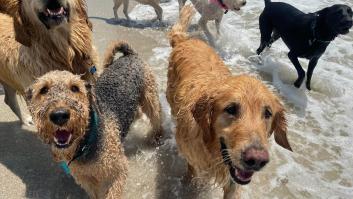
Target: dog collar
point(89, 144)
point(92, 69)
point(314, 35)
point(221, 4)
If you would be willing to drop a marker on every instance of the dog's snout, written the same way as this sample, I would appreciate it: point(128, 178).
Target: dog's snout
point(255, 159)
point(60, 116)
point(244, 3)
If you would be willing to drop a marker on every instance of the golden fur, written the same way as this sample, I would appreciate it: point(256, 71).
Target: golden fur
point(29, 49)
point(200, 88)
point(9, 6)
point(103, 175)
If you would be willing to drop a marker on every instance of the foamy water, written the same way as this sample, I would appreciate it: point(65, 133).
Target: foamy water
point(320, 121)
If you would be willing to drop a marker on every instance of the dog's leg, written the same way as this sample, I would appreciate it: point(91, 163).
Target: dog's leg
point(151, 106)
point(181, 4)
point(157, 9)
point(231, 191)
point(126, 11)
point(312, 65)
point(190, 174)
point(117, 4)
point(203, 24)
point(218, 24)
point(266, 30)
point(275, 37)
point(301, 73)
point(11, 101)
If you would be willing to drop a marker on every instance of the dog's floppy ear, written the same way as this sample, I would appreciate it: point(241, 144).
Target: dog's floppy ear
point(279, 127)
point(21, 26)
point(202, 112)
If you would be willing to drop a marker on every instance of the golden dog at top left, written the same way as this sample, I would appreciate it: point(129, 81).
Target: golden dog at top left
point(38, 36)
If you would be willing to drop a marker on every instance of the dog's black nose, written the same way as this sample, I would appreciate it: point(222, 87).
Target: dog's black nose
point(244, 3)
point(60, 116)
point(254, 158)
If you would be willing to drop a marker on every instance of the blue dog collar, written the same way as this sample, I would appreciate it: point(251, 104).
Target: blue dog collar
point(93, 70)
point(65, 167)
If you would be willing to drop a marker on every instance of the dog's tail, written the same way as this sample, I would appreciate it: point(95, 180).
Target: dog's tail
point(178, 33)
point(115, 47)
point(267, 2)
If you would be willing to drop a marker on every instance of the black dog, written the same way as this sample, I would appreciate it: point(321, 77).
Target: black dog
point(306, 35)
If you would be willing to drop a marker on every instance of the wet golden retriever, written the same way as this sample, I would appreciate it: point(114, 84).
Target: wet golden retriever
point(223, 122)
point(37, 36)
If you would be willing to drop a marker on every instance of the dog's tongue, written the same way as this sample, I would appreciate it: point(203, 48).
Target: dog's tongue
point(244, 175)
point(62, 136)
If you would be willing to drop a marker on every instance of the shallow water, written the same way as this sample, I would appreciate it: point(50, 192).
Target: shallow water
point(320, 121)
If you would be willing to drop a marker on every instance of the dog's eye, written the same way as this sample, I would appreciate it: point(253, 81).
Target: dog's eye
point(75, 89)
point(267, 113)
point(44, 90)
point(233, 109)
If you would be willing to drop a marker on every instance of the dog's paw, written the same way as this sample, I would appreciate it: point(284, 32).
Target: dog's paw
point(308, 86)
point(297, 84)
point(27, 121)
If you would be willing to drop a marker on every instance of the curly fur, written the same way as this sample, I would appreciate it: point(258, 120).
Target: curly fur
point(104, 173)
point(29, 49)
point(127, 83)
point(200, 88)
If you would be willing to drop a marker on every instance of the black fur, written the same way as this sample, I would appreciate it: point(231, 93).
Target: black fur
point(306, 35)
point(120, 87)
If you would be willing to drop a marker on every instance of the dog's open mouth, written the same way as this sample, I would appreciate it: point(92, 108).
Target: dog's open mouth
point(239, 176)
point(54, 14)
point(62, 138)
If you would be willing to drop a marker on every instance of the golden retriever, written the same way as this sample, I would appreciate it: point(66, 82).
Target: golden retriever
point(223, 122)
point(37, 36)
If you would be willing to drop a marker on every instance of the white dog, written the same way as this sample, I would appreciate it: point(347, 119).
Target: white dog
point(213, 10)
point(153, 3)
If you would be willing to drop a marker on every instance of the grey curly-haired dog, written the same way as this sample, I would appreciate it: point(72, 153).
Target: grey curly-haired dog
point(126, 84)
point(85, 125)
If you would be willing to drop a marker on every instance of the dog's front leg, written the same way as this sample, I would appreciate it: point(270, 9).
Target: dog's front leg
point(117, 4)
point(301, 73)
point(181, 4)
point(12, 102)
point(126, 11)
point(312, 65)
point(203, 24)
point(218, 24)
point(231, 191)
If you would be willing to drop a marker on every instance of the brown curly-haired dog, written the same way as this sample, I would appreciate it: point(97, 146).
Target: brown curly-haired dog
point(223, 122)
point(38, 36)
point(80, 133)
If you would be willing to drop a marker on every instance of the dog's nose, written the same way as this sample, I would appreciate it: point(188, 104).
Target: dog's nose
point(255, 159)
point(244, 3)
point(60, 116)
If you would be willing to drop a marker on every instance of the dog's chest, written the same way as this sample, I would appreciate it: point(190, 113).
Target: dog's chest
point(315, 49)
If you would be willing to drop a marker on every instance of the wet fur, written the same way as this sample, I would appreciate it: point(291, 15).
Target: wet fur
point(281, 20)
point(103, 174)
point(126, 84)
point(199, 88)
point(211, 12)
point(29, 49)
